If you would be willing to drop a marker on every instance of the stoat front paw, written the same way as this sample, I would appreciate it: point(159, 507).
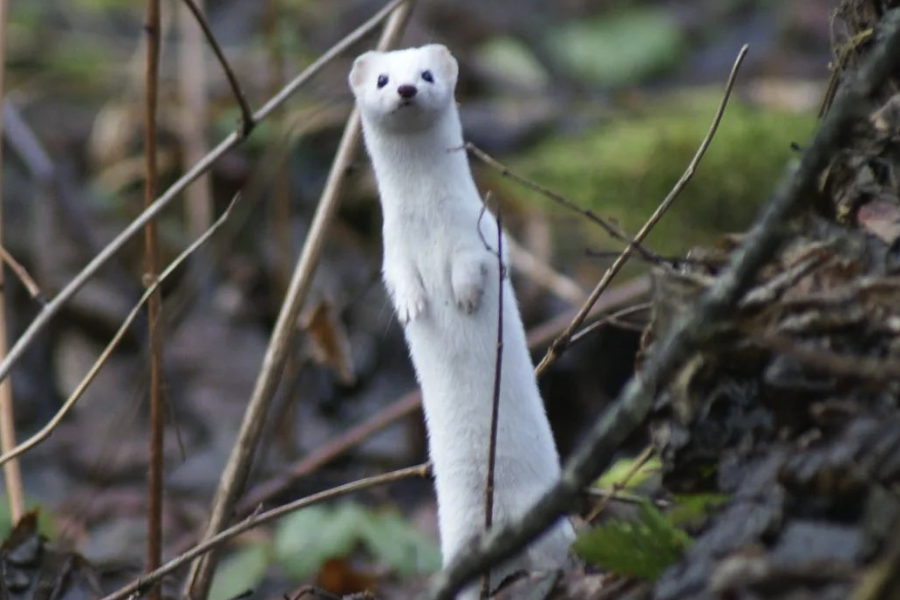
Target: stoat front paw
point(409, 305)
point(407, 294)
point(468, 280)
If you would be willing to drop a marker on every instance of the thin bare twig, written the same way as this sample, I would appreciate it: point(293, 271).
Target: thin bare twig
point(53, 306)
point(797, 188)
point(141, 585)
point(623, 497)
point(248, 122)
point(559, 344)
point(610, 319)
point(623, 294)
point(95, 369)
point(495, 400)
point(12, 474)
point(22, 274)
point(154, 303)
point(617, 487)
point(607, 226)
point(234, 477)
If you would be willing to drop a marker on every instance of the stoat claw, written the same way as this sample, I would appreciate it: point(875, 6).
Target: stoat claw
point(409, 307)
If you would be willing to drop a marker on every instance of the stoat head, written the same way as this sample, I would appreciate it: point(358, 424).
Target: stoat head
point(404, 90)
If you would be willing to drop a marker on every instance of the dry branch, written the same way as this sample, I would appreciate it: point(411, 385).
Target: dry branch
point(797, 188)
point(234, 477)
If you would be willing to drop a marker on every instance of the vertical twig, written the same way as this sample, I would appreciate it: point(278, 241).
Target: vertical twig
point(495, 402)
point(193, 115)
point(234, 477)
point(154, 305)
point(560, 344)
point(11, 472)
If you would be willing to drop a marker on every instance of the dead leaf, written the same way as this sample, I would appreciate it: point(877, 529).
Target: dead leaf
point(329, 342)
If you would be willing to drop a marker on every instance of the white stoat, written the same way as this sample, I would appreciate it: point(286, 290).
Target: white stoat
point(443, 282)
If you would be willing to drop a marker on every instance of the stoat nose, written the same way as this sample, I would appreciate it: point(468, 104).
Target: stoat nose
point(407, 91)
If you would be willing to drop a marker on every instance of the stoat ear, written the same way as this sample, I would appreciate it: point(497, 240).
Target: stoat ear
point(361, 69)
point(446, 65)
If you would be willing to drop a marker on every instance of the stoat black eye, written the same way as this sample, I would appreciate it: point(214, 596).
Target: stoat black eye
point(427, 76)
point(382, 81)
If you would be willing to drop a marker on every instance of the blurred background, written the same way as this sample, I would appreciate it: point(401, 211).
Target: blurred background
point(602, 102)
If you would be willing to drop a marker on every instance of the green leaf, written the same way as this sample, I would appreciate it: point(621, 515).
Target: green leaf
point(391, 538)
point(642, 548)
point(620, 47)
point(309, 537)
point(692, 509)
point(241, 571)
point(616, 473)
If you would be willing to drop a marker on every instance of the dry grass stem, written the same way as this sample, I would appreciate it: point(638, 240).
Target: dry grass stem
point(22, 274)
point(70, 402)
point(560, 344)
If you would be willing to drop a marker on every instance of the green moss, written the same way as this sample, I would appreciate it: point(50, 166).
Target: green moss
point(624, 168)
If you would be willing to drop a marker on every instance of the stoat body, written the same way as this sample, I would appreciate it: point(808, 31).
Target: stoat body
point(443, 282)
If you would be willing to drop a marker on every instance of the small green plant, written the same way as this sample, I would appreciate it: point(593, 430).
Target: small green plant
point(640, 548)
point(304, 540)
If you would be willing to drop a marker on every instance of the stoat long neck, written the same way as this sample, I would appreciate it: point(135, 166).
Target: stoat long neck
point(417, 169)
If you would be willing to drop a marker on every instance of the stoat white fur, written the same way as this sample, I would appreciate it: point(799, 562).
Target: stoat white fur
point(443, 282)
